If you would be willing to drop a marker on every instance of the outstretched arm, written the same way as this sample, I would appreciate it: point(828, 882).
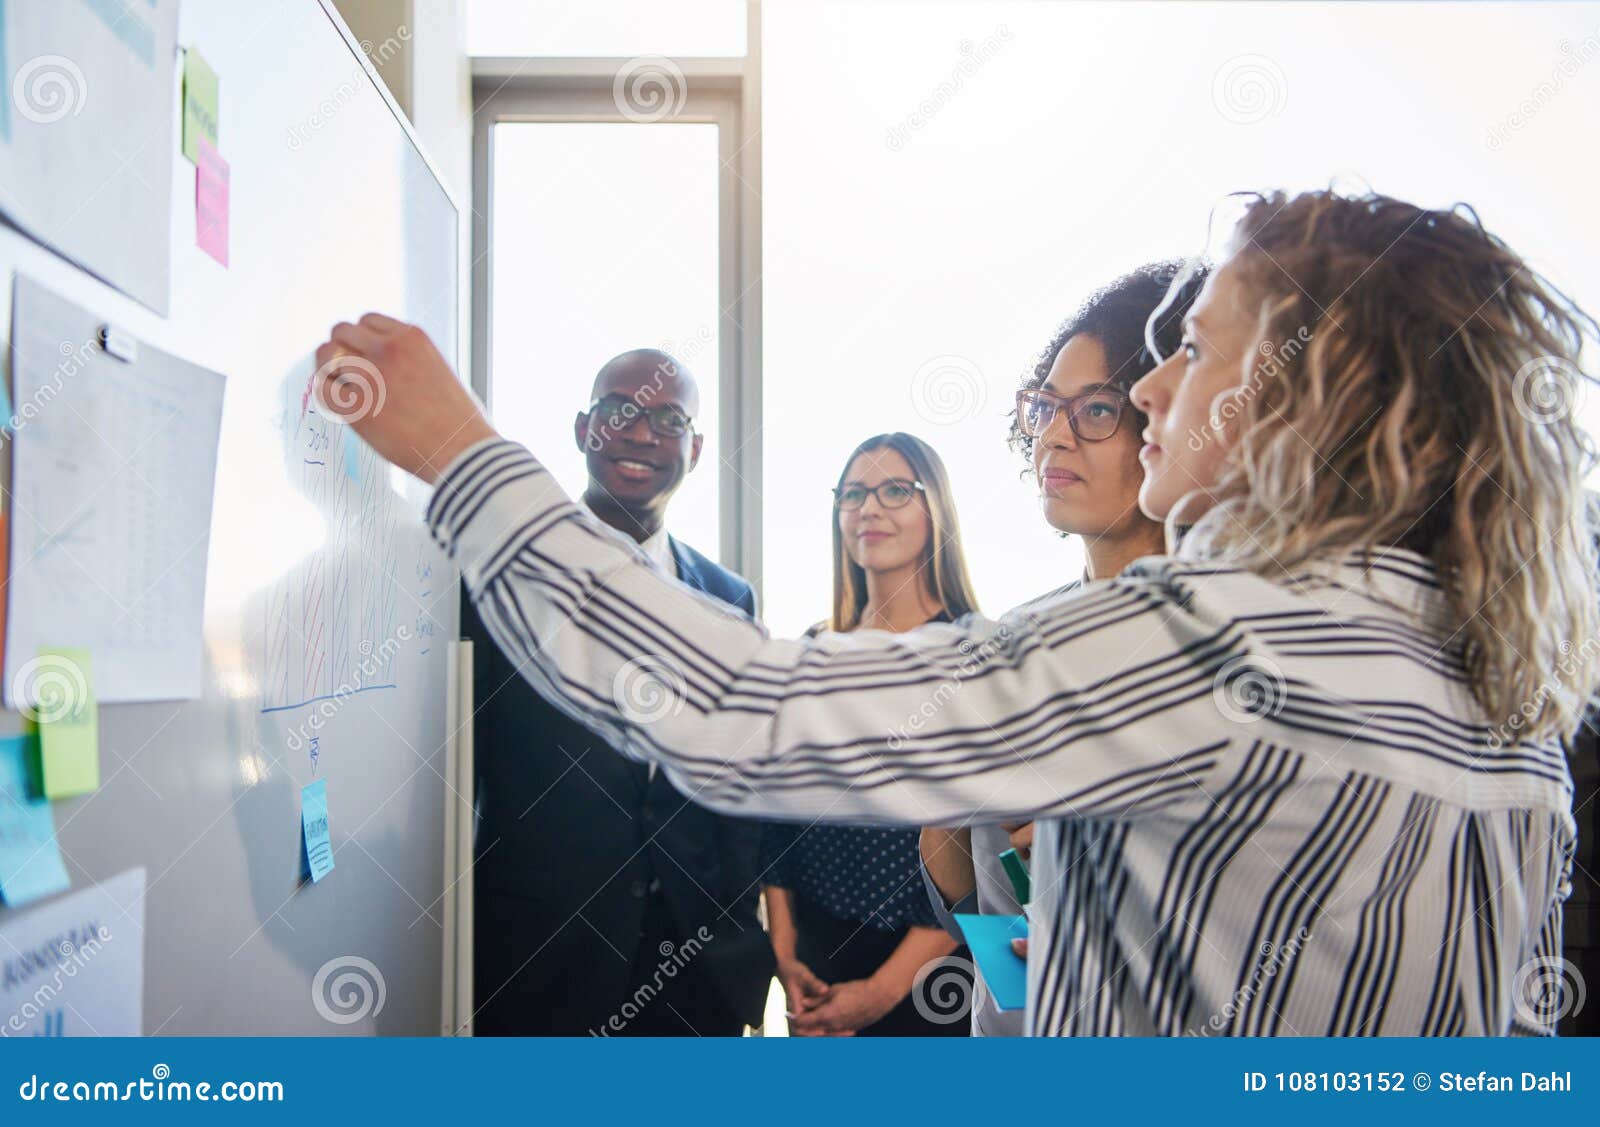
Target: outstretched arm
point(1098, 703)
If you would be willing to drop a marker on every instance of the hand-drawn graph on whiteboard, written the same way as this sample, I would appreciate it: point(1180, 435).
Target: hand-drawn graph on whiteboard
point(337, 623)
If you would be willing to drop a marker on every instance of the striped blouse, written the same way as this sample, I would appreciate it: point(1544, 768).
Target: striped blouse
point(1264, 806)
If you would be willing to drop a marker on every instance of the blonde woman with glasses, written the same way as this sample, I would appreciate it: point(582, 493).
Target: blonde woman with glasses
point(860, 950)
point(1306, 775)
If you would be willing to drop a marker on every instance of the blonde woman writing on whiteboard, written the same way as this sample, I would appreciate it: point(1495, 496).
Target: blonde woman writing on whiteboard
point(1304, 776)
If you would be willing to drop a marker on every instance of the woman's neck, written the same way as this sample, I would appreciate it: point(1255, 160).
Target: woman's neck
point(1106, 556)
point(898, 600)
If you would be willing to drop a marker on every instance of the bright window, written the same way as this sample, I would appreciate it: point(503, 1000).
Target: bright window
point(943, 183)
point(604, 240)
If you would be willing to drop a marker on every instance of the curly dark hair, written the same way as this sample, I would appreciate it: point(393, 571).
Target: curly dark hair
point(1116, 316)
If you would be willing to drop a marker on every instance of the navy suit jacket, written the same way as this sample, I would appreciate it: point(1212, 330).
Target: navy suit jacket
point(573, 838)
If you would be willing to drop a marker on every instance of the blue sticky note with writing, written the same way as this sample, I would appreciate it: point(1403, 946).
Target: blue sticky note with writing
point(352, 455)
point(1004, 972)
point(30, 862)
point(316, 850)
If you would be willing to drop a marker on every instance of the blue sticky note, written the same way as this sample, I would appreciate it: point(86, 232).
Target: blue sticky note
point(1004, 972)
point(30, 862)
point(316, 850)
point(352, 455)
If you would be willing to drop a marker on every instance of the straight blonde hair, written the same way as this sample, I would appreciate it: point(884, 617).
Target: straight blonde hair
point(944, 564)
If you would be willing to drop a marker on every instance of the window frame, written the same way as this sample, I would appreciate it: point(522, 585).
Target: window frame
point(720, 91)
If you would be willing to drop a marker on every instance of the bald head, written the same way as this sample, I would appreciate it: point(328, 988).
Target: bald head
point(650, 378)
point(635, 441)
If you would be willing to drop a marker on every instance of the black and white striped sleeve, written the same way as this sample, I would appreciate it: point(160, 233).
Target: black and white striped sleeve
point(1097, 703)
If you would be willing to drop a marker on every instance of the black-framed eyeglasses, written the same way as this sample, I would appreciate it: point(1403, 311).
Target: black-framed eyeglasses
point(616, 413)
point(1094, 416)
point(895, 493)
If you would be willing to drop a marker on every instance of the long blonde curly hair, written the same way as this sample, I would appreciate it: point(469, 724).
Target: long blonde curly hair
point(1421, 395)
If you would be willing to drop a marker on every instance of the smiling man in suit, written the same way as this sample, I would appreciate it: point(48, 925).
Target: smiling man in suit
point(606, 901)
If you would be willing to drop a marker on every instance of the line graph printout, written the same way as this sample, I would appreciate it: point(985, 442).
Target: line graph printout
point(114, 467)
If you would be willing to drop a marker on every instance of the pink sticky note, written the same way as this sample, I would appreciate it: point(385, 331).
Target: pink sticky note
point(211, 202)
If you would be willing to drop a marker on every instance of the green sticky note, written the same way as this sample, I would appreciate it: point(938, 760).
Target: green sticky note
point(199, 103)
point(66, 718)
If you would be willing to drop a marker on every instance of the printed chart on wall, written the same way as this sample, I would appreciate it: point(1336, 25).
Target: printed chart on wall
point(111, 504)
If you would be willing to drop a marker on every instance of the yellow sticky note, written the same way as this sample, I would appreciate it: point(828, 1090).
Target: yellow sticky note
point(63, 709)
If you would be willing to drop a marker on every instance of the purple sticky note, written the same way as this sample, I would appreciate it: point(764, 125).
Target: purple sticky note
point(211, 201)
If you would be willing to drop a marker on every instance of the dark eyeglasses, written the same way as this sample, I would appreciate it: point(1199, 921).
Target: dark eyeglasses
point(1093, 416)
point(895, 493)
point(617, 414)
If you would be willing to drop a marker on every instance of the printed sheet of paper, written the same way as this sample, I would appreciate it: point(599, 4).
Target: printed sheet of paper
point(114, 465)
point(74, 967)
point(86, 151)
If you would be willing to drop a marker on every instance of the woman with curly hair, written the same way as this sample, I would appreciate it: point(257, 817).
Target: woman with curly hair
point(1305, 775)
point(1078, 431)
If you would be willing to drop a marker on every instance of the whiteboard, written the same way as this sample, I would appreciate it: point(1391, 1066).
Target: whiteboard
point(327, 608)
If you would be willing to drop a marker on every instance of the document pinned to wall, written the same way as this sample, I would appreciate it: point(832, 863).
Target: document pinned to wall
point(87, 137)
point(74, 967)
point(113, 469)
